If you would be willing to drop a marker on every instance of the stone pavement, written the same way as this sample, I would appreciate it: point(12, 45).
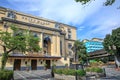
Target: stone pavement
point(33, 75)
point(111, 74)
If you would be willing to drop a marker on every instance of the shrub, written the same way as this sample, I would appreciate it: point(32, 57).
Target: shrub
point(98, 70)
point(81, 72)
point(88, 69)
point(58, 71)
point(94, 69)
point(70, 72)
point(6, 75)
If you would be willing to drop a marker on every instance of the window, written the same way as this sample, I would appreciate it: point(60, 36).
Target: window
point(69, 36)
point(70, 53)
point(57, 25)
point(11, 15)
point(35, 34)
point(69, 30)
point(25, 18)
point(22, 17)
point(69, 45)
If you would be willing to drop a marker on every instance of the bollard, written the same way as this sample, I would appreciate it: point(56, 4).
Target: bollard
point(104, 72)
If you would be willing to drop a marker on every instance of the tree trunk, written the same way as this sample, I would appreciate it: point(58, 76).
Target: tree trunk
point(4, 60)
point(117, 60)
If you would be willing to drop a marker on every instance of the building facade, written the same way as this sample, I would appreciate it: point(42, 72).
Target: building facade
point(93, 45)
point(56, 40)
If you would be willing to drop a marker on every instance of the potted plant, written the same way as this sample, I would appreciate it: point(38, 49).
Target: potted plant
point(45, 66)
point(27, 67)
point(66, 65)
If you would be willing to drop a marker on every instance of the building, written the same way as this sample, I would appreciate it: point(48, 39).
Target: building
point(60, 39)
point(93, 45)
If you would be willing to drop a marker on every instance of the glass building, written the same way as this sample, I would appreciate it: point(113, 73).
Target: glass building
point(93, 45)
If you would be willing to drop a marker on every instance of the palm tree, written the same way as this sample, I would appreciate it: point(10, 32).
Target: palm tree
point(80, 51)
point(80, 54)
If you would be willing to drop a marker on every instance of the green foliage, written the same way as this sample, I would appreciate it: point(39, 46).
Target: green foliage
point(70, 72)
point(110, 41)
point(81, 73)
point(80, 50)
point(66, 65)
point(94, 69)
point(6, 75)
point(96, 63)
point(107, 3)
point(4, 60)
point(58, 71)
point(20, 40)
point(45, 65)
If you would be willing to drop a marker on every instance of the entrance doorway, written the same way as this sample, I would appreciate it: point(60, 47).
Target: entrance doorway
point(34, 65)
point(48, 64)
point(17, 64)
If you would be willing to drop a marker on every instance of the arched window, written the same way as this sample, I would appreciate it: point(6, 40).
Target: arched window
point(11, 15)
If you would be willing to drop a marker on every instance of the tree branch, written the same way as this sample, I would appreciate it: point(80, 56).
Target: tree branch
point(4, 48)
point(11, 49)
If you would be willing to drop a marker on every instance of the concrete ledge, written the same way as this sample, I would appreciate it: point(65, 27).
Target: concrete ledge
point(68, 77)
point(97, 75)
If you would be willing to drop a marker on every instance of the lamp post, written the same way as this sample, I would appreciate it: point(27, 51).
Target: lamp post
point(75, 59)
point(76, 62)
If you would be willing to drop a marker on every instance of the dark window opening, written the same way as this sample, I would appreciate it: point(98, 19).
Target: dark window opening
point(26, 62)
point(69, 36)
point(69, 45)
point(61, 48)
point(11, 14)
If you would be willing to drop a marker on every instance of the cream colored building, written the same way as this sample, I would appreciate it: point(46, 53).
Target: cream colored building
point(56, 40)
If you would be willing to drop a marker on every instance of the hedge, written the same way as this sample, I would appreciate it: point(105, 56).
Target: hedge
point(6, 75)
point(70, 72)
point(94, 69)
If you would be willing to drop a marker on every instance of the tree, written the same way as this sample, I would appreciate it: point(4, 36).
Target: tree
point(107, 3)
point(20, 40)
point(80, 51)
point(112, 43)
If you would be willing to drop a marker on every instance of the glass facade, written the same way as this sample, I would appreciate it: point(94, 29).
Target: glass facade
point(93, 46)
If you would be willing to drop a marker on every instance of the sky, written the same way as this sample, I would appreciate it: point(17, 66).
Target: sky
point(92, 20)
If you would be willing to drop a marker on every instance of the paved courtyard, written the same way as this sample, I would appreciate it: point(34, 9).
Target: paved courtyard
point(33, 75)
point(111, 74)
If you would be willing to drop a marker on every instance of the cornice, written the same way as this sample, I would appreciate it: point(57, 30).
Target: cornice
point(29, 24)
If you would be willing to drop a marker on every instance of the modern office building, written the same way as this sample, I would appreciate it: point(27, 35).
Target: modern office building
point(60, 39)
point(93, 45)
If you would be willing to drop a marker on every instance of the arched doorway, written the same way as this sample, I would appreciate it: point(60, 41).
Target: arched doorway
point(47, 45)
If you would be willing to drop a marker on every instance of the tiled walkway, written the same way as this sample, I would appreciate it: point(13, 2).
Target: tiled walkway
point(33, 75)
point(111, 74)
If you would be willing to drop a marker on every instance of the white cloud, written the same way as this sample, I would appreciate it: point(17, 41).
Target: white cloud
point(93, 19)
point(67, 11)
point(80, 28)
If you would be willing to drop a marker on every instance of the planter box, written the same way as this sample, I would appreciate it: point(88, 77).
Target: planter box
point(97, 75)
point(68, 77)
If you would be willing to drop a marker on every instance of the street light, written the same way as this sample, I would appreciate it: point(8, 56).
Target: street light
point(76, 60)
